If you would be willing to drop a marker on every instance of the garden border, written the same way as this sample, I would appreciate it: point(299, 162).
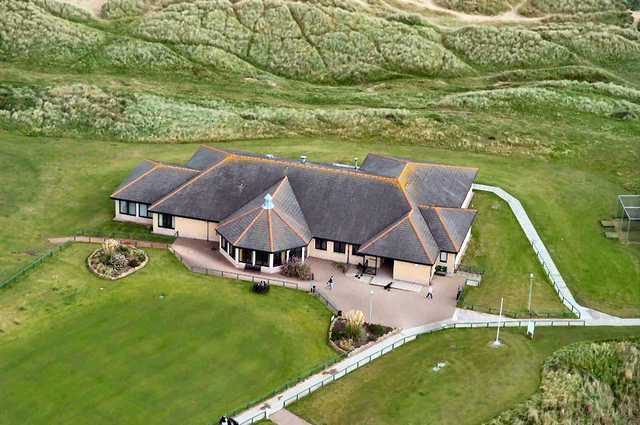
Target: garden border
point(123, 275)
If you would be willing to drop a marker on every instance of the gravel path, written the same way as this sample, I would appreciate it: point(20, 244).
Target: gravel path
point(510, 16)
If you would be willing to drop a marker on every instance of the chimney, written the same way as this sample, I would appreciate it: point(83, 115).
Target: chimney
point(268, 202)
point(303, 158)
point(355, 163)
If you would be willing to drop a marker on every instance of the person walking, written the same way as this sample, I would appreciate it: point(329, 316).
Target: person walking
point(430, 292)
point(330, 282)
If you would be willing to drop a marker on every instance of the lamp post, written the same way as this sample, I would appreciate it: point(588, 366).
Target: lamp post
point(370, 305)
point(530, 291)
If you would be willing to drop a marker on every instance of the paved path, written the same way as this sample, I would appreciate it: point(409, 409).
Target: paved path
point(541, 250)
point(285, 417)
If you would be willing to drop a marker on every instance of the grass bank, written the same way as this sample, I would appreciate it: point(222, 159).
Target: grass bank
point(502, 251)
point(477, 384)
point(162, 346)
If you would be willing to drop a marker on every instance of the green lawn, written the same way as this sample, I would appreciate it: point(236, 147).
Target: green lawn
point(477, 384)
point(502, 251)
point(73, 353)
point(56, 186)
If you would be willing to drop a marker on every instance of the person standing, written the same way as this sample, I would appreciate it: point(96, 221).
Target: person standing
point(430, 292)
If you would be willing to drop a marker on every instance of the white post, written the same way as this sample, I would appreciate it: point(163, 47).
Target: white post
point(271, 261)
point(237, 254)
point(303, 252)
point(530, 291)
point(497, 341)
point(370, 306)
point(253, 258)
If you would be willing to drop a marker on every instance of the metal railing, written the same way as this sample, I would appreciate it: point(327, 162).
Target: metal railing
point(135, 242)
point(339, 373)
point(515, 314)
point(237, 275)
point(35, 263)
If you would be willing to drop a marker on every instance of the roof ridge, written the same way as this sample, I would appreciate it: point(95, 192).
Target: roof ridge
point(408, 161)
point(170, 194)
point(213, 148)
point(177, 167)
point(385, 231)
point(447, 208)
point(136, 179)
point(446, 228)
point(296, 231)
point(240, 157)
point(248, 227)
point(270, 226)
point(422, 242)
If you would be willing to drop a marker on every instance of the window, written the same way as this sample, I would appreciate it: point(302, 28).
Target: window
point(262, 258)
point(321, 244)
point(278, 259)
point(128, 208)
point(244, 256)
point(165, 221)
point(296, 253)
point(144, 210)
point(354, 250)
point(443, 257)
point(340, 247)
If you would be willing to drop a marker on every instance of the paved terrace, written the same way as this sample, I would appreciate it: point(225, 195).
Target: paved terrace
point(398, 308)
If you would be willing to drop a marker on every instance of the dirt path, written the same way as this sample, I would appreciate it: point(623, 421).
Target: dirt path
point(636, 18)
point(510, 16)
point(92, 6)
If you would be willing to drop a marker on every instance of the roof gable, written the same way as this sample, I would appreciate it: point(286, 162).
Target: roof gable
point(449, 226)
point(154, 183)
point(439, 185)
point(205, 157)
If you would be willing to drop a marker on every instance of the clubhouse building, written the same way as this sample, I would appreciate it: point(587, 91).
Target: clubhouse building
point(407, 216)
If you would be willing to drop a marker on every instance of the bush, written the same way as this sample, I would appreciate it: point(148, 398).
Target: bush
point(260, 287)
point(377, 330)
point(343, 267)
point(296, 269)
point(354, 323)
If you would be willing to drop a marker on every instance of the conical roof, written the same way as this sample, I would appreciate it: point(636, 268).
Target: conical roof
point(271, 222)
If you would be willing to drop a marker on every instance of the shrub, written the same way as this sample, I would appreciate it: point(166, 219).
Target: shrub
point(296, 269)
point(110, 246)
point(378, 330)
point(343, 267)
point(260, 287)
point(354, 323)
point(595, 383)
point(119, 262)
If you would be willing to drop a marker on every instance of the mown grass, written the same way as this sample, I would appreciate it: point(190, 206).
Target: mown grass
point(500, 248)
point(402, 388)
point(162, 346)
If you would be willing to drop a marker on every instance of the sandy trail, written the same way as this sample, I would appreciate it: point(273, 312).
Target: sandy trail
point(636, 18)
point(510, 16)
point(92, 6)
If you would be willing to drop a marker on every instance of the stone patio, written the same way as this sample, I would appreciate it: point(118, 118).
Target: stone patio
point(400, 308)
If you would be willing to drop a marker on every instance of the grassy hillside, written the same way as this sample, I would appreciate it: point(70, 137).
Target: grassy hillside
point(552, 104)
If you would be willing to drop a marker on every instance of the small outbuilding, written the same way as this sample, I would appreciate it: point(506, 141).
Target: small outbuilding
point(629, 216)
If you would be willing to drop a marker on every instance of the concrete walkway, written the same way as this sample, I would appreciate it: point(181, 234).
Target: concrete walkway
point(540, 249)
point(285, 417)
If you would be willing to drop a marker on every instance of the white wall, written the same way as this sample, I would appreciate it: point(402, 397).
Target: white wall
point(463, 248)
point(161, 230)
point(467, 200)
point(131, 218)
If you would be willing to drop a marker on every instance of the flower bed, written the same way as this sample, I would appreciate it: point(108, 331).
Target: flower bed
point(114, 260)
point(346, 336)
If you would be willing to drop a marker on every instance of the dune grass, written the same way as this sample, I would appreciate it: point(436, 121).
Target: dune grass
point(476, 385)
point(87, 349)
point(502, 251)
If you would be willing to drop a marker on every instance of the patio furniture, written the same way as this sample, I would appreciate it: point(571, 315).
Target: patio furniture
point(611, 235)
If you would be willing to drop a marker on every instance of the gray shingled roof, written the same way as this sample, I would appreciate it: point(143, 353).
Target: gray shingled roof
point(155, 183)
point(205, 157)
point(367, 206)
point(337, 205)
point(408, 239)
point(449, 226)
point(140, 169)
point(440, 185)
point(383, 165)
point(277, 229)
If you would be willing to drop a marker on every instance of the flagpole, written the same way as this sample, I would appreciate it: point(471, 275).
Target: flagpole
point(497, 341)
